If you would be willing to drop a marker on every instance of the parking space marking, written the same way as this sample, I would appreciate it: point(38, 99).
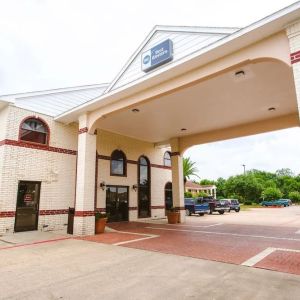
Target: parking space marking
point(260, 256)
point(227, 233)
point(196, 226)
point(257, 258)
point(146, 237)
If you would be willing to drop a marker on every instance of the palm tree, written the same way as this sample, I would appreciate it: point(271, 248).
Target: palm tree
point(189, 169)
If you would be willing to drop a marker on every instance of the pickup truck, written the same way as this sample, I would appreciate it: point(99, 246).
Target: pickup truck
point(219, 206)
point(196, 206)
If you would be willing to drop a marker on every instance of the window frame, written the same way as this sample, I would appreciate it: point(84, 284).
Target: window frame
point(124, 174)
point(41, 121)
point(148, 187)
point(170, 160)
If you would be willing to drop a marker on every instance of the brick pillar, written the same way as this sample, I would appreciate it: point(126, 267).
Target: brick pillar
point(293, 33)
point(84, 220)
point(177, 179)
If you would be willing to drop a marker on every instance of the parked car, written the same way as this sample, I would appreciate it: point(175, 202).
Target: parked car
point(233, 204)
point(196, 206)
point(217, 205)
point(279, 202)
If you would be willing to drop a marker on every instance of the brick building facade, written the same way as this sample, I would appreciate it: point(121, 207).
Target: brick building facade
point(118, 147)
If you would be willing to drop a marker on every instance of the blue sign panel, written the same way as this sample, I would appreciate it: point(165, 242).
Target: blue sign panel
point(157, 55)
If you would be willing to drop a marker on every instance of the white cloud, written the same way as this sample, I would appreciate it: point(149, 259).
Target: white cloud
point(268, 151)
point(58, 43)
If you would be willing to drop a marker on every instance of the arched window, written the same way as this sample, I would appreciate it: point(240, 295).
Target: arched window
point(118, 163)
point(167, 159)
point(144, 184)
point(34, 130)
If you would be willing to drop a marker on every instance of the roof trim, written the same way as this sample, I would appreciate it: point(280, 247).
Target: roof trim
point(53, 91)
point(169, 28)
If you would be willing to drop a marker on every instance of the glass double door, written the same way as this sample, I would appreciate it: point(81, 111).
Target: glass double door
point(27, 210)
point(117, 203)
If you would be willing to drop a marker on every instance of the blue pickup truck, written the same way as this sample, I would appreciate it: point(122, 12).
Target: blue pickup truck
point(196, 206)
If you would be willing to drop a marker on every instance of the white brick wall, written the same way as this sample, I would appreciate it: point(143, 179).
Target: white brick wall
point(133, 149)
point(56, 171)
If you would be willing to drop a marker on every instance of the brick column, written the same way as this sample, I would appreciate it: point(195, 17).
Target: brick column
point(293, 33)
point(84, 220)
point(177, 179)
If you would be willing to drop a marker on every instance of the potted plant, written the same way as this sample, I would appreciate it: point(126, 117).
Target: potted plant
point(100, 222)
point(173, 216)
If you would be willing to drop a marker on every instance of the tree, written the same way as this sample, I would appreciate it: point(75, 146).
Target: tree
point(271, 193)
point(285, 172)
point(207, 182)
point(294, 196)
point(202, 194)
point(246, 187)
point(221, 187)
point(189, 169)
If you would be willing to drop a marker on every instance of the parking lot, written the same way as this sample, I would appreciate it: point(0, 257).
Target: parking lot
point(248, 255)
point(221, 238)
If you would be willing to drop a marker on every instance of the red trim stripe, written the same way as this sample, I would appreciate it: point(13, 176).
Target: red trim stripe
point(175, 153)
point(37, 146)
point(83, 130)
point(85, 213)
point(158, 207)
point(180, 207)
point(132, 208)
point(7, 214)
point(134, 162)
point(46, 212)
point(295, 57)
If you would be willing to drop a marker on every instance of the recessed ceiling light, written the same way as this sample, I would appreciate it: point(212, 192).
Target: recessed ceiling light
point(240, 73)
point(271, 109)
point(135, 110)
point(183, 129)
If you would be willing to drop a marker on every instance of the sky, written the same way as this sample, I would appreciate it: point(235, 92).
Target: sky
point(47, 44)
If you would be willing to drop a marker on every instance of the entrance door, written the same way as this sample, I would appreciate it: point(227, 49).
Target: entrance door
point(117, 203)
point(27, 211)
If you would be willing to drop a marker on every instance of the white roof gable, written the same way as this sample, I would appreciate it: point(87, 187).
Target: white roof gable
point(57, 101)
point(186, 40)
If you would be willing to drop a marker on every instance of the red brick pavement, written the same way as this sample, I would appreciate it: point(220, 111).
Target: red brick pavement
point(225, 243)
point(281, 261)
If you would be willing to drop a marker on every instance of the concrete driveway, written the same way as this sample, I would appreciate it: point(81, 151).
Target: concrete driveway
point(53, 266)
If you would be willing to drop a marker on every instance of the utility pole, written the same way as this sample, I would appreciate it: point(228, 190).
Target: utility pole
point(244, 166)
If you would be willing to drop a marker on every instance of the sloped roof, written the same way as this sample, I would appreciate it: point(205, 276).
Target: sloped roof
point(56, 101)
point(186, 40)
point(194, 185)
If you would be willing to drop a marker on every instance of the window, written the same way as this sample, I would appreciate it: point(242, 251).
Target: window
point(167, 159)
point(34, 130)
point(118, 163)
point(144, 202)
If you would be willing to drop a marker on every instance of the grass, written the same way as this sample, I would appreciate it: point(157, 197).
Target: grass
point(247, 207)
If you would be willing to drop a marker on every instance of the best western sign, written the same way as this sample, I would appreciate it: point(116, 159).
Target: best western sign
point(157, 55)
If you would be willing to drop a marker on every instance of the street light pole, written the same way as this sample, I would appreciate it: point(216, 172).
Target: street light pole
point(244, 166)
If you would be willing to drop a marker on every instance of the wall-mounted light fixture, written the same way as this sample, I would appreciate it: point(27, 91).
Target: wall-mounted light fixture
point(240, 73)
point(135, 187)
point(102, 185)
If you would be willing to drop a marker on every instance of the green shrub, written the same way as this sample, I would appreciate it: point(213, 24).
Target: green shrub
point(202, 194)
point(188, 195)
point(247, 202)
point(294, 196)
point(271, 193)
